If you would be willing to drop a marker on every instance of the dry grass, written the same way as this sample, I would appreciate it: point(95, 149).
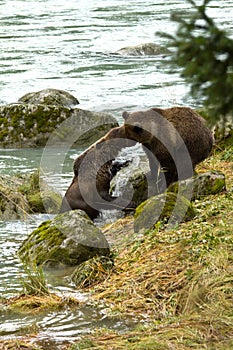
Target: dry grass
point(178, 282)
point(17, 345)
point(35, 304)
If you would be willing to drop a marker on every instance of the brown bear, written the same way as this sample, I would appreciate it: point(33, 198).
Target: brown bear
point(93, 172)
point(174, 139)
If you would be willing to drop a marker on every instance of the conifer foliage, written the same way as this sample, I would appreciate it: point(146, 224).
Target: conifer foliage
point(205, 54)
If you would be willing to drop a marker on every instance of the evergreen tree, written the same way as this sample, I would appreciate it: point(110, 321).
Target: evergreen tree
point(205, 54)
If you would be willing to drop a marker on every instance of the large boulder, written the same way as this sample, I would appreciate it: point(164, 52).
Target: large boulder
point(175, 204)
point(31, 121)
point(167, 207)
point(67, 240)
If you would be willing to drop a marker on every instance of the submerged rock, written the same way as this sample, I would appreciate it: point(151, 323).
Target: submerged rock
point(165, 207)
point(67, 240)
point(146, 49)
point(38, 116)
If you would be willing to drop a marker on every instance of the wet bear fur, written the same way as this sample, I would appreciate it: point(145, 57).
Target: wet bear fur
point(93, 172)
point(166, 135)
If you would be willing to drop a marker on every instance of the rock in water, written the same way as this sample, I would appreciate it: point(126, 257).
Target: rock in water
point(67, 240)
point(52, 97)
point(146, 49)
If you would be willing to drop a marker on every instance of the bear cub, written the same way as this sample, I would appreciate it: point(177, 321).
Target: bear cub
point(93, 172)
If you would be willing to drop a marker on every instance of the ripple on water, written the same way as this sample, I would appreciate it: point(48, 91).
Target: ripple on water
point(61, 325)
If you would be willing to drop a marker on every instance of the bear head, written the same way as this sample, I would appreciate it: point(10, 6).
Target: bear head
point(140, 126)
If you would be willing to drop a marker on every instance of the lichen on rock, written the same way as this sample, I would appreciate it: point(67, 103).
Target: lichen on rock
point(67, 240)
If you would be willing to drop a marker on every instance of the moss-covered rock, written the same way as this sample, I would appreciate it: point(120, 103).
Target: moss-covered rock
point(165, 207)
point(41, 198)
point(47, 201)
point(27, 124)
point(67, 240)
point(211, 182)
point(26, 193)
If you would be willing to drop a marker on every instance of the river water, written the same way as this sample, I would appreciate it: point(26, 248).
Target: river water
point(70, 45)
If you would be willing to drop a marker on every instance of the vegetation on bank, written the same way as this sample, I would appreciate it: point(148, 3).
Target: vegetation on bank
point(175, 284)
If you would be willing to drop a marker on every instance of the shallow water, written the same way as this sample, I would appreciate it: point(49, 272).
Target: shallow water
point(60, 326)
point(70, 45)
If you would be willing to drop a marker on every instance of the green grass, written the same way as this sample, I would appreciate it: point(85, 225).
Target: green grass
point(180, 280)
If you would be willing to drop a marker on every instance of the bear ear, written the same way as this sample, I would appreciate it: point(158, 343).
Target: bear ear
point(125, 115)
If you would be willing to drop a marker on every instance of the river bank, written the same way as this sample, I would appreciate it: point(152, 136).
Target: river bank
point(174, 285)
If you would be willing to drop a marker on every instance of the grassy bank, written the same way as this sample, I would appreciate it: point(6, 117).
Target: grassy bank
point(178, 283)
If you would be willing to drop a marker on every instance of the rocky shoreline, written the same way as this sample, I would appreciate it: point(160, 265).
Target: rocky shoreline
point(177, 278)
point(148, 264)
